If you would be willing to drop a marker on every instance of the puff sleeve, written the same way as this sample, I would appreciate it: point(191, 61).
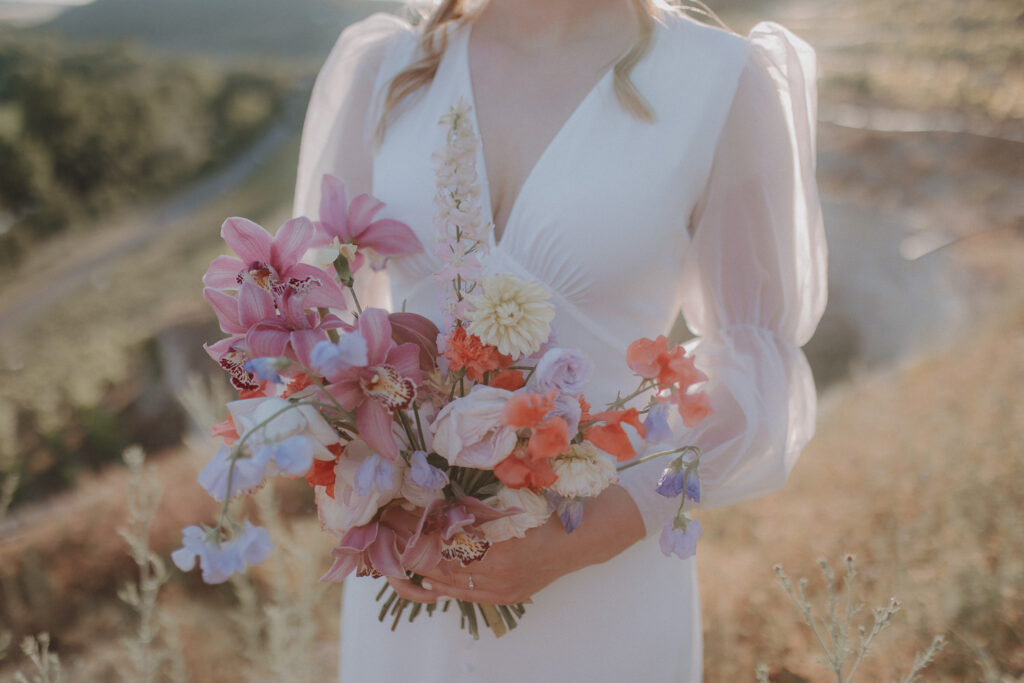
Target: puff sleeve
point(337, 135)
point(754, 282)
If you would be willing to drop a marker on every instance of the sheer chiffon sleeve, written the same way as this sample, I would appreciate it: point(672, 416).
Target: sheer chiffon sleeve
point(754, 283)
point(337, 135)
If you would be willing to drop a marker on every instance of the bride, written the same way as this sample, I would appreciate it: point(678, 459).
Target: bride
point(637, 163)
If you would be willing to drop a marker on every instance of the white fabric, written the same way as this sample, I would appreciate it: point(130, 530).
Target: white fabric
point(605, 220)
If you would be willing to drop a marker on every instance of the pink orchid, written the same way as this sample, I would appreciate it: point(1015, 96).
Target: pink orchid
point(354, 223)
point(386, 383)
point(370, 550)
point(273, 262)
point(449, 530)
point(292, 333)
point(236, 316)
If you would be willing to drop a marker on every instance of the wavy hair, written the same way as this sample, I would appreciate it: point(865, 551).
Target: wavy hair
point(434, 40)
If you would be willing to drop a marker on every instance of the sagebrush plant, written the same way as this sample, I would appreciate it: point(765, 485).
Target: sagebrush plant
point(46, 663)
point(834, 630)
point(152, 650)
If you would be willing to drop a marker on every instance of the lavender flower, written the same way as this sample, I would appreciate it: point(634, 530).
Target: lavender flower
point(425, 475)
point(656, 424)
point(329, 358)
point(248, 473)
point(566, 370)
point(266, 368)
point(677, 478)
point(220, 560)
point(375, 470)
point(293, 455)
point(569, 510)
point(679, 537)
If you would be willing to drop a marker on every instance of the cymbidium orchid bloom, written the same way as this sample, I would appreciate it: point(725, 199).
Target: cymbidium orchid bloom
point(343, 225)
point(373, 549)
point(449, 529)
point(272, 263)
point(386, 383)
point(293, 333)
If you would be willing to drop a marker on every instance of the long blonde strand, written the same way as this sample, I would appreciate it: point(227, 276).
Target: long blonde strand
point(434, 40)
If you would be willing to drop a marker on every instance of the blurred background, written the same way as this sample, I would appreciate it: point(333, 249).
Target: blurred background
point(129, 129)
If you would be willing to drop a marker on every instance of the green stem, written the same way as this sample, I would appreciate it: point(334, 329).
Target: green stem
point(659, 454)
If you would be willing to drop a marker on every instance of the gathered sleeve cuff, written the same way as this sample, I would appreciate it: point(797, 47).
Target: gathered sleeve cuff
point(753, 284)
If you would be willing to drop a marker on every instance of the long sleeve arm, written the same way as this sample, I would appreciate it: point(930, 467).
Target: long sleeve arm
point(754, 283)
point(337, 136)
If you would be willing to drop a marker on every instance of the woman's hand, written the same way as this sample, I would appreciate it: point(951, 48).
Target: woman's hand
point(516, 569)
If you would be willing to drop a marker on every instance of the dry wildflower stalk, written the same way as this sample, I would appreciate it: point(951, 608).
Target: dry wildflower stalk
point(834, 630)
point(47, 663)
point(279, 632)
point(146, 656)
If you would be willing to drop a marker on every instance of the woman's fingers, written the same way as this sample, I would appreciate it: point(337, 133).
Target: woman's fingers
point(410, 591)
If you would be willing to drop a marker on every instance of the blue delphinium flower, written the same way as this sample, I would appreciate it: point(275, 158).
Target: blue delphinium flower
point(679, 537)
point(425, 475)
point(375, 470)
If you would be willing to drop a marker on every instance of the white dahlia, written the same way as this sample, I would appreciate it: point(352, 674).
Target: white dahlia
point(583, 472)
point(511, 314)
point(535, 511)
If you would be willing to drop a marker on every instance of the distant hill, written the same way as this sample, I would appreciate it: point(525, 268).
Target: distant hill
point(288, 28)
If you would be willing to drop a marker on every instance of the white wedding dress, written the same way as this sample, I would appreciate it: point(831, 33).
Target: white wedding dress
point(712, 209)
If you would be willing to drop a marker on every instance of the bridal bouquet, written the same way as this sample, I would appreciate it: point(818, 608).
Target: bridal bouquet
point(423, 445)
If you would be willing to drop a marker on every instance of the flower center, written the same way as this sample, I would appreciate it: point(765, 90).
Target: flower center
point(384, 385)
point(508, 312)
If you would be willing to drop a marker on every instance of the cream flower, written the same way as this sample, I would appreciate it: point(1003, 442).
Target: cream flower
point(347, 508)
point(511, 314)
point(583, 472)
point(535, 511)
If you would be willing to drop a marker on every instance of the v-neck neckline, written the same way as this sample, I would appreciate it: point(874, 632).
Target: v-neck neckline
point(482, 173)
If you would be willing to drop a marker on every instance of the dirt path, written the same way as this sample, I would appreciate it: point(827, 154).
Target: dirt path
point(61, 267)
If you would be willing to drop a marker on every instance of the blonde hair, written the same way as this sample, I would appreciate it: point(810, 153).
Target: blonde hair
point(434, 40)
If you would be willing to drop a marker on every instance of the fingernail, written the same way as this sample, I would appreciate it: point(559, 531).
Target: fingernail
point(427, 585)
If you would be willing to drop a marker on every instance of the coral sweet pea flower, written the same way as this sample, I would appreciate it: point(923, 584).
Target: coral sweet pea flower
point(342, 223)
point(610, 437)
point(272, 263)
point(386, 383)
point(652, 359)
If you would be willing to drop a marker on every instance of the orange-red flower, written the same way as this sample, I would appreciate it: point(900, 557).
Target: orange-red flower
point(322, 472)
point(526, 410)
point(509, 380)
point(692, 407)
point(519, 470)
point(296, 384)
point(610, 437)
point(549, 439)
point(466, 351)
point(225, 430)
point(652, 358)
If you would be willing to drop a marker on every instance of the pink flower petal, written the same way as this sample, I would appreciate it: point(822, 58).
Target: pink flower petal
point(226, 308)
point(216, 351)
point(383, 554)
point(254, 304)
point(267, 340)
point(376, 330)
point(405, 358)
point(361, 213)
point(373, 422)
point(389, 237)
point(291, 243)
point(347, 392)
point(250, 241)
point(303, 342)
point(223, 273)
point(333, 208)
